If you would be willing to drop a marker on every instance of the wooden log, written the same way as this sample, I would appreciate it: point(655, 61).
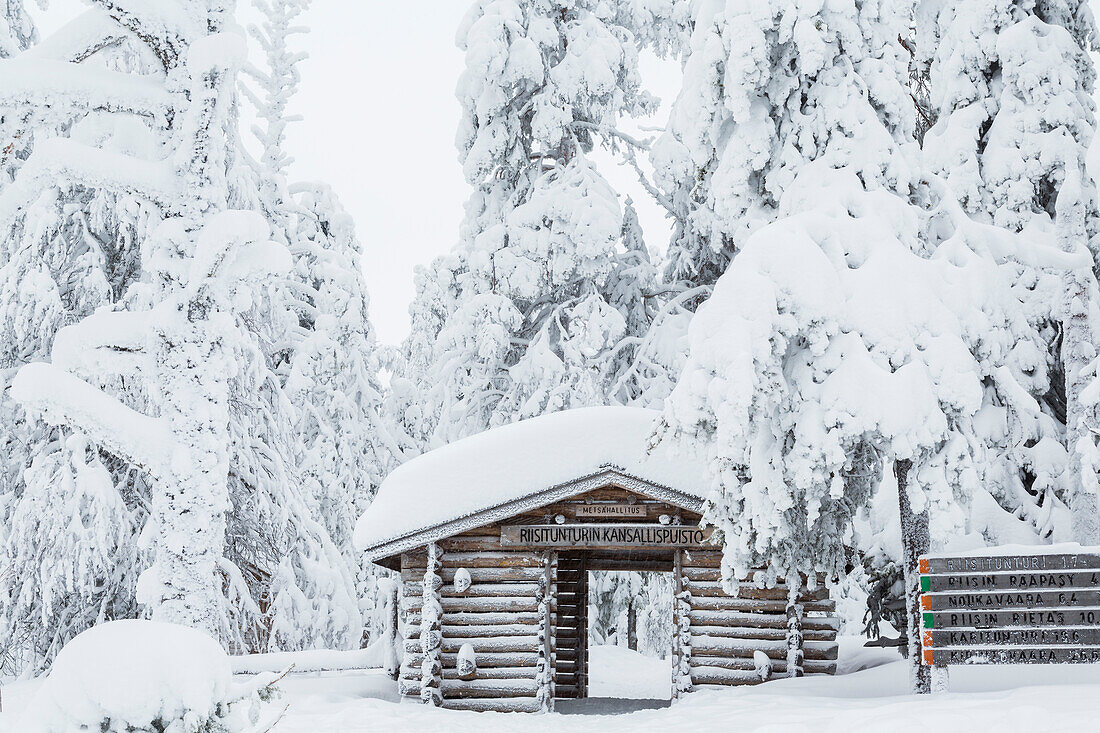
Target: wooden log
point(516, 604)
point(468, 543)
point(471, 560)
point(494, 704)
point(494, 575)
point(720, 647)
point(497, 673)
point(485, 590)
point(720, 676)
point(713, 588)
point(811, 666)
point(701, 559)
point(460, 618)
point(510, 687)
point(481, 632)
point(494, 644)
point(749, 604)
point(759, 620)
point(489, 659)
point(749, 632)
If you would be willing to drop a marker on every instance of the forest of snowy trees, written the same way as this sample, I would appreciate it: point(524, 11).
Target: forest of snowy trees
point(877, 312)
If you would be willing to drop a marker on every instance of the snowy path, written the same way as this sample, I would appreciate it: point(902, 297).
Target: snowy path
point(1005, 700)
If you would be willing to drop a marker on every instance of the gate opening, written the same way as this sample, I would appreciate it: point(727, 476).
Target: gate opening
point(630, 634)
point(614, 627)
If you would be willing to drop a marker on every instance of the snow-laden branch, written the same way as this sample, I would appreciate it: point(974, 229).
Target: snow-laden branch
point(53, 84)
point(164, 27)
point(59, 160)
point(63, 399)
point(83, 37)
point(109, 342)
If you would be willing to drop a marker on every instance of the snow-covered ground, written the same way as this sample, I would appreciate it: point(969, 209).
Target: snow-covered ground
point(615, 671)
point(873, 699)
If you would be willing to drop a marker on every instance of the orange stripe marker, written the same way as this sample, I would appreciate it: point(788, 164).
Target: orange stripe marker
point(924, 565)
point(926, 639)
point(928, 656)
point(926, 602)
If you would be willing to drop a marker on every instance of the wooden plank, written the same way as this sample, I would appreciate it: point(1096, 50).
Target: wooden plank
point(603, 535)
point(1014, 655)
point(1064, 580)
point(1010, 600)
point(1010, 563)
point(1021, 617)
point(1038, 637)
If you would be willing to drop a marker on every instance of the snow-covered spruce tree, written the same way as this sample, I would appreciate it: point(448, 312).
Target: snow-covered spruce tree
point(529, 326)
point(72, 249)
point(17, 31)
point(1011, 85)
point(855, 330)
point(278, 581)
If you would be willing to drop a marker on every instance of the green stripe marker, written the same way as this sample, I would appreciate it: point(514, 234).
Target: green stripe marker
point(928, 621)
point(925, 584)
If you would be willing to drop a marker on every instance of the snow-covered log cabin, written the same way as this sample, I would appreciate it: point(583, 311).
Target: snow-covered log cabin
point(494, 536)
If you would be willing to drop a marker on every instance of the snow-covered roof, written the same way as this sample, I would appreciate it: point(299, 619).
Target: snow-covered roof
point(521, 466)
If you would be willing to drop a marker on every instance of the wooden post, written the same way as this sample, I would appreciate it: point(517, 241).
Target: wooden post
point(915, 541)
point(408, 680)
point(795, 654)
point(681, 644)
point(390, 629)
point(545, 665)
point(431, 632)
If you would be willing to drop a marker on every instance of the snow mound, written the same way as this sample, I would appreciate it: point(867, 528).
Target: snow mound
point(135, 676)
point(515, 461)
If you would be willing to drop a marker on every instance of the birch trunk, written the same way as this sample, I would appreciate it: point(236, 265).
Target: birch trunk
point(915, 539)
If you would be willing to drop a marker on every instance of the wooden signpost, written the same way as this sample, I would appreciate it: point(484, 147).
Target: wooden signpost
point(1011, 609)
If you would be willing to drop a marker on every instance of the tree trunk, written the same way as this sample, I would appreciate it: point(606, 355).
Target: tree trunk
point(192, 368)
point(632, 627)
point(915, 540)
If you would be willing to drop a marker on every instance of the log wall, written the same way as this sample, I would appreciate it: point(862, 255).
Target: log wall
point(723, 632)
point(525, 614)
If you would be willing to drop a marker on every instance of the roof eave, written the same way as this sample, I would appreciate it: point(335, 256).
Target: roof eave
point(603, 477)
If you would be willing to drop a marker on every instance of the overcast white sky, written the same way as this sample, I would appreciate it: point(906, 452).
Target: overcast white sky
point(377, 95)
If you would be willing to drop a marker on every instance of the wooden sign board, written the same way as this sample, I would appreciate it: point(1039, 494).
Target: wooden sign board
point(611, 510)
point(1011, 609)
point(1018, 618)
point(603, 535)
point(1008, 563)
